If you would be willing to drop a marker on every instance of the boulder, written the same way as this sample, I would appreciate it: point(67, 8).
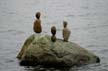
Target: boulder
point(40, 50)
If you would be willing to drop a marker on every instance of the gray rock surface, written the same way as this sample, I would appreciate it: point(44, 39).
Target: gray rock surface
point(39, 50)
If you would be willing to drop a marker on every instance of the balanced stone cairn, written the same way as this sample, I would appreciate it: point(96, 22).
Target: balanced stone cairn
point(53, 31)
point(37, 24)
point(65, 32)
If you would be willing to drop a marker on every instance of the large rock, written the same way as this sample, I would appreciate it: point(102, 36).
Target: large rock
point(39, 50)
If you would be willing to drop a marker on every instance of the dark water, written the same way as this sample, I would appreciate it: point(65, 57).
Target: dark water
point(88, 21)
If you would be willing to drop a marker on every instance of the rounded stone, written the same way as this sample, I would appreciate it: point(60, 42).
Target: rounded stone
point(53, 38)
point(53, 30)
point(39, 50)
point(66, 34)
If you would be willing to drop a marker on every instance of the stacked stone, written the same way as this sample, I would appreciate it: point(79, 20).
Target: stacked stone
point(53, 31)
point(66, 32)
point(37, 24)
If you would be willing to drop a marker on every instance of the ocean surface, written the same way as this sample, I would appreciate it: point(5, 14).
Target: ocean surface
point(87, 20)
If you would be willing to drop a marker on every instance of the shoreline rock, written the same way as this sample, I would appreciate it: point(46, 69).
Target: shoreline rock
point(39, 50)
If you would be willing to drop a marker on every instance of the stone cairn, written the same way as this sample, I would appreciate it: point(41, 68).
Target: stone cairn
point(65, 32)
point(38, 29)
point(53, 31)
point(37, 24)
